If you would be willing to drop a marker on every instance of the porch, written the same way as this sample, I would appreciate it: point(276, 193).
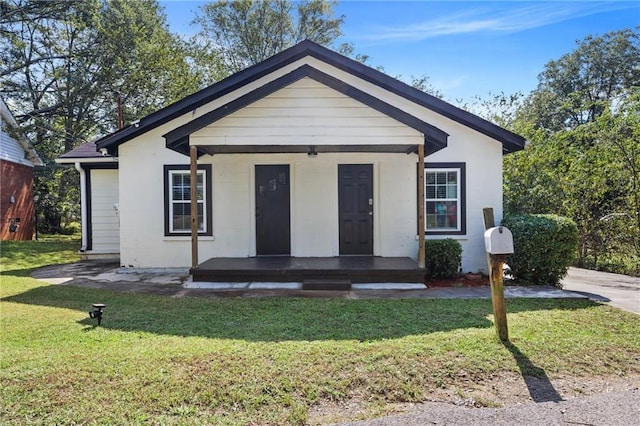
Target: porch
point(336, 273)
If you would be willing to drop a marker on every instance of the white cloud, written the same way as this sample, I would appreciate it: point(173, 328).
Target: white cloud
point(501, 19)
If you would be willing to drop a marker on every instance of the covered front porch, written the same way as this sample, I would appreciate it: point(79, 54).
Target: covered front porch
point(330, 183)
point(314, 226)
point(336, 273)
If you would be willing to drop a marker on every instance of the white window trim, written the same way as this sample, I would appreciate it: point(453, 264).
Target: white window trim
point(172, 202)
point(205, 171)
point(460, 170)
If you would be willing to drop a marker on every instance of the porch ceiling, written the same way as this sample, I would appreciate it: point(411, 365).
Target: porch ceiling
point(302, 149)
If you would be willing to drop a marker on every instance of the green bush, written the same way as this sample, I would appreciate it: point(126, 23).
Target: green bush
point(443, 259)
point(71, 229)
point(545, 246)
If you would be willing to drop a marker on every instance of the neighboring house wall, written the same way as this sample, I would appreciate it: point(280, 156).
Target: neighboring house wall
point(16, 182)
point(10, 148)
point(105, 220)
point(16, 201)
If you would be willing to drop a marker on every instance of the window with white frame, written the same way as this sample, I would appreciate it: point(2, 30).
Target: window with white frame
point(445, 198)
point(177, 182)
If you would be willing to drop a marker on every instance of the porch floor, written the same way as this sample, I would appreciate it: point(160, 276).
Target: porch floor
point(353, 269)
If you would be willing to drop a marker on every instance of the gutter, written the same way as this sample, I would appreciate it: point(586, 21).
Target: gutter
point(92, 160)
point(83, 205)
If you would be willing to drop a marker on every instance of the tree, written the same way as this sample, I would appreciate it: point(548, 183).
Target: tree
point(582, 161)
point(63, 64)
point(43, 46)
point(619, 130)
point(245, 32)
point(576, 88)
point(140, 60)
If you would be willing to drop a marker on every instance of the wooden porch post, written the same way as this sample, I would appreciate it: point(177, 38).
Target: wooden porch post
point(193, 154)
point(421, 248)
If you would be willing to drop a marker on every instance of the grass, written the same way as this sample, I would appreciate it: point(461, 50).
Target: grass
point(269, 361)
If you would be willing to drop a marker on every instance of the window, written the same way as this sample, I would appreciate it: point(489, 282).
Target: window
point(445, 211)
point(177, 200)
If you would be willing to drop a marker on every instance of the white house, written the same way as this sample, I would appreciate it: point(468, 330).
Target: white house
point(308, 154)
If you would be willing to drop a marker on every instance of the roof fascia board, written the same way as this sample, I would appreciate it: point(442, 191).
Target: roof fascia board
point(433, 135)
point(511, 141)
point(435, 138)
point(71, 160)
point(204, 96)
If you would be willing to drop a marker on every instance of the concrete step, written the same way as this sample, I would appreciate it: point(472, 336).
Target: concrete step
point(326, 284)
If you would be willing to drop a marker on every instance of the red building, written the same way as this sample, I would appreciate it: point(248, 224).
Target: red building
point(17, 160)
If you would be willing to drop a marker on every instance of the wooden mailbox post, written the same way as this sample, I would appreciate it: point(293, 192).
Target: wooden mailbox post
point(499, 244)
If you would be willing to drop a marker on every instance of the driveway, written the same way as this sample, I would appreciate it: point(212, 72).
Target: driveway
point(617, 290)
point(608, 409)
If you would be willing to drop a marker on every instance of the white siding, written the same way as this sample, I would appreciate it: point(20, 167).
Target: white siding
point(11, 150)
point(483, 159)
point(306, 113)
point(105, 220)
point(314, 206)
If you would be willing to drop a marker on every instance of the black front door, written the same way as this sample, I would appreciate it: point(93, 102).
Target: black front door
point(273, 235)
point(355, 208)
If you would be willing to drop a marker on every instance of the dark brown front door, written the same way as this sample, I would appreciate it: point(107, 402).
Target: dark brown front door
point(355, 208)
point(273, 235)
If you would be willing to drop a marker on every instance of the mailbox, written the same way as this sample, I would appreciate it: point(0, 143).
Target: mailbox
point(498, 240)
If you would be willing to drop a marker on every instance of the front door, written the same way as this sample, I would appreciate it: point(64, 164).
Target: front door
point(355, 208)
point(273, 235)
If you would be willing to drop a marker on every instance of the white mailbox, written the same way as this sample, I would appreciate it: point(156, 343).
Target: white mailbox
point(498, 240)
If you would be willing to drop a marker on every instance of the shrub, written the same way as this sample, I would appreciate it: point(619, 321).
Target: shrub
point(443, 259)
point(71, 229)
point(545, 246)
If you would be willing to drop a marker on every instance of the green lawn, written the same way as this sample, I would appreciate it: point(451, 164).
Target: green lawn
point(269, 361)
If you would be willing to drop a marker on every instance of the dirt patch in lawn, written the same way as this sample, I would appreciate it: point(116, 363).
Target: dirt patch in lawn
point(498, 390)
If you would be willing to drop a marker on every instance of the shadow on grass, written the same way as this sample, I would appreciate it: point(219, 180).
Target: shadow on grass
point(25, 272)
point(540, 387)
point(279, 319)
point(593, 296)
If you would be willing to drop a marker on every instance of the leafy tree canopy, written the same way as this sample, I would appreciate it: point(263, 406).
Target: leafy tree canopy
point(576, 88)
point(64, 64)
point(245, 32)
point(583, 161)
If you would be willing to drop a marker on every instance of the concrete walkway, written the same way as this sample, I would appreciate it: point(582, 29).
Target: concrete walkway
point(621, 291)
point(175, 283)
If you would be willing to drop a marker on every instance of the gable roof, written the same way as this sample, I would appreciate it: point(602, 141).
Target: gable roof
point(510, 141)
point(178, 139)
point(30, 153)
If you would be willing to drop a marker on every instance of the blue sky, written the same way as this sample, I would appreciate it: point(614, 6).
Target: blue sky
point(467, 48)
